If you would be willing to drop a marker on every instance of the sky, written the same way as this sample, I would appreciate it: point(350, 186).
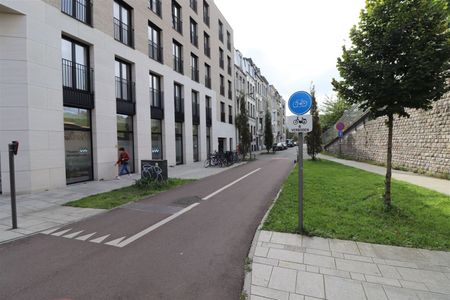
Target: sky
point(293, 42)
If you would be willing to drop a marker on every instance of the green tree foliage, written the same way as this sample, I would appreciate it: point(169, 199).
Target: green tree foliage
point(268, 135)
point(243, 128)
point(399, 60)
point(333, 109)
point(314, 138)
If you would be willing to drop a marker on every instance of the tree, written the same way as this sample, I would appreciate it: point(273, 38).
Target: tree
point(242, 126)
point(314, 138)
point(399, 60)
point(268, 135)
point(333, 109)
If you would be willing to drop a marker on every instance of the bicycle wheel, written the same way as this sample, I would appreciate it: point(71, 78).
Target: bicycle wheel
point(207, 163)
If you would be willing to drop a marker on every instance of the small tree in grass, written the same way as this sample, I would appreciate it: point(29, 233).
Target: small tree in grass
point(314, 138)
point(399, 60)
point(268, 135)
point(243, 128)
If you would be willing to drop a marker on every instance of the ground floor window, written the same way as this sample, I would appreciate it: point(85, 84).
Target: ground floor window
point(179, 142)
point(157, 143)
point(208, 140)
point(125, 137)
point(78, 144)
point(195, 141)
point(222, 142)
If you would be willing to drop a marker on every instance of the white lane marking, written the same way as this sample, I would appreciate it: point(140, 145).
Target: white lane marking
point(85, 237)
point(230, 184)
point(100, 239)
point(154, 226)
point(59, 233)
point(72, 235)
point(51, 230)
point(115, 242)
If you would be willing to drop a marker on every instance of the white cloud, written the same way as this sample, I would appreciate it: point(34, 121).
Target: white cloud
point(294, 42)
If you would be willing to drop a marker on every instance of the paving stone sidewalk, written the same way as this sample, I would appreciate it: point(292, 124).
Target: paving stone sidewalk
point(294, 267)
point(42, 210)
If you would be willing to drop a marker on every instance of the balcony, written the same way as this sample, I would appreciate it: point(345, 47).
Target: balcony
point(157, 104)
point(179, 109)
point(178, 64)
point(78, 9)
point(125, 96)
point(193, 5)
point(206, 19)
point(123, 33)
point(221, 36)
point(222, 90)
point(207, 50)
point(230, 119)
point(195, 113)
point(208, 82)
point(77, 85)
point(194, 39)
point(195, 74)
point(229, 69)
point(155, 51)
point(177, 24)
point(222, 63)
point(155, 6)
point(230, 94)
point(228, 45)
point(208, 116)
point(222, 117)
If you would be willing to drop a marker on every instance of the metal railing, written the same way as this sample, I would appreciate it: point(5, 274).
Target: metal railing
point(230, 94)
point(208, 82)
point(124, 89)
point(123, 32)
point(78, 9)
point(194, 39)
point(221, 36)
point(222, 117)
point(177, 24)
point(178, 64)
point(193, 5)
point(206, 19)
point(230, 119)
point(155, 51)
point(195, 74)
point(179, 104)
point(207, 50)
point(76, 76)
point(155, 6)
point(156, 98)
point(222, 90)
point(221, 63)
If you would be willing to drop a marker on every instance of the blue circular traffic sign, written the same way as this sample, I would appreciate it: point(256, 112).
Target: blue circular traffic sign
point(300, 103)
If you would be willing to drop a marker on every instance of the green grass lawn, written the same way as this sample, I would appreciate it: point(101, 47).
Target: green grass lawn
point(346, 203)
point(124, 195)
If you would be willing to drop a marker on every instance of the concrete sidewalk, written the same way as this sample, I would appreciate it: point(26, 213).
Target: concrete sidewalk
point(436, 184)
point(39, 211)
point(293, 267)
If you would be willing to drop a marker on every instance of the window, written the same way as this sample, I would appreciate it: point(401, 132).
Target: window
point(195, 108)
point(157, 143)
point(206, 45)
point(78, 9)
point(123, 81)
point(220, 31)
point(207, 76)
point(208, 140)
point(222, 85)
point(125, 137)
point(229, 65)
point(155, 91)
point(193, 31)
point(178, 98)
point(228, 41)
point(230, 114)
point(206, 13)
point(222, 112)
point(179, 143)
point(123, 31)
point(208, 111)
point(154, 43)
point(194, 68)
point(177, 24)
point(230, 92)
point(155, 6)
point(75, 65)
point(193, 5)
point(177, 57)
point(195, 142)
point(221, 58)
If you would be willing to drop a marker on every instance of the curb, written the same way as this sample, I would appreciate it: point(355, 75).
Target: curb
point(246, 289)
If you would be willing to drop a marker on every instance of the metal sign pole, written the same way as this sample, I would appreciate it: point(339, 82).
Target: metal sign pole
point(12, 181)
point(300, 182)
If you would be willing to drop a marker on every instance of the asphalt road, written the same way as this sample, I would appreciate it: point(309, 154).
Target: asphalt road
point(199, 254)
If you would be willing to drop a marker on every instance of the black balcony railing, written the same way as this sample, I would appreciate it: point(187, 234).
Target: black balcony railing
point(194, 74)
point(179, 109)
point(177, 24)
point(228, 45)
point(207, 50)
point(195, 113)
point(229, 69)
point(193, 4)
point(155, 51)
point(221, 36)
point(222, 117)
point(230, 119)
point(230, 94)
point(208, 116)
point(194, 39)
point(208, 82)
point(157, 104)
point(221, 63)
point(155, 6)
point(124, 90)
point(178, 64)
point(78, 9)
point(78, 85)
point(206, 19)
point(123, 32)
point(222, 90)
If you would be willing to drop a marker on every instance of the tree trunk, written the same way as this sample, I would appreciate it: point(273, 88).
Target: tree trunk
point(387, 187)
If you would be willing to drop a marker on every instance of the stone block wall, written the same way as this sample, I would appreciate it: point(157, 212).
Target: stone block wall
point(421, 143)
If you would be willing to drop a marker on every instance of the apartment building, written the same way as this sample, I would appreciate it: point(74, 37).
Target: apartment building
point(80, 79)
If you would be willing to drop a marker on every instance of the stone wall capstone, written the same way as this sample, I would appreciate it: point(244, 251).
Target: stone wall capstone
point(421, 143)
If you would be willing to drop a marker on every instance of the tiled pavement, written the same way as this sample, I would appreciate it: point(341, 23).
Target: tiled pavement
point(293, 267)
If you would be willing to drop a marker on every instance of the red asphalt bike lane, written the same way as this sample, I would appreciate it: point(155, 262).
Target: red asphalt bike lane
point(198, 255)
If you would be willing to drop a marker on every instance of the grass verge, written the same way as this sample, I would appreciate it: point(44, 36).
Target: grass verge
point(124, 195)
point(346, 203)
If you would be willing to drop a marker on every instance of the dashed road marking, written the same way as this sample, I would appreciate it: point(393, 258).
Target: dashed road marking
point(59, 233)
point(100, 239)
point(85, 237)
point(72, 235)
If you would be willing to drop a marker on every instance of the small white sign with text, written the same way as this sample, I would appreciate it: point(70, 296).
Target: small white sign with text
point(301, 123)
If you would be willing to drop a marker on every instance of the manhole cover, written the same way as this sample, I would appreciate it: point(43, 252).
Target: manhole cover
point(187, 201)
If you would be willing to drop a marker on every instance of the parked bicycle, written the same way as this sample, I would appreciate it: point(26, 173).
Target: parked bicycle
point(221, 159)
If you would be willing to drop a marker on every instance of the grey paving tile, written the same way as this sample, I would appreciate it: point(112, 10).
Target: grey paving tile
point(291, 265)
point(382, 280)
point(310, 284)
point(264, 236)
point(334, 272)
point(431, 296)
point(319, 260)
point(269, 293)
point(389, 272)
point(265, 261)
point(357, 276)
point(396, 263)
point(337, 254)
point(9, 235)
point(312, 269)
point(286, 239)
point(357, 266)
point(283, 279)
point(374, 291)
point(396, 293)
point(422, 275)
point(413, 285)
point(316, 243)
point(318, 251)
point(254, 297)
point(442, 287)
point(261, 274)
point(285, 255)
point(358, 257)
point(348, 247)
point(398, 253)
point(343, 289)
point(296, 297)
point(273, 245)
point(261, 251)
point(366, 249)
